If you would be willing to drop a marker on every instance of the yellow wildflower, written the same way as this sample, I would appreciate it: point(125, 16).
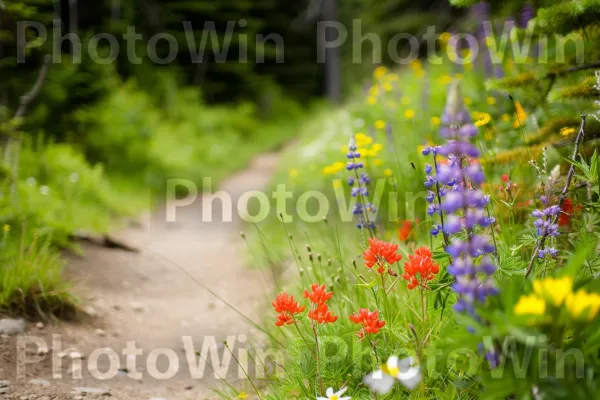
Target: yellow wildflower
point(327, 170)
point(380, 72)
point(481, 118)
point(379, 124)
point(489, 134)
point(293, 173)
point(445, 79)
point(409, 114)
point(387, 172)
point(444, 37)
point(468, 101)
point(435, 121)
point(371, 100)
point(377, 147)
point(582, 305)
point(338, 166)
point(6, 228)
point(388, 87)
point(491, 100)
point(530, 305)
point(554, 290)
point(373, 90)
point(567, 131)
point(521, 115)
point(505, 117)
point(242, 395)
point(378, 162)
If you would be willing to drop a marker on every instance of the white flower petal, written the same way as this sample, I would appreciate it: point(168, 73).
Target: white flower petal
point(340, 392)
point(329, 392)
point(379, 382)
point(392, 362)
point(410, 373)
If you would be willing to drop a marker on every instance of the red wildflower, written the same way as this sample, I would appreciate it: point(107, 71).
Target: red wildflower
point(405, 231)
point(380, 252)
point(420, 264)
point(505, 178)
point(287, 307)
point(319, 294)
point(369, 320)
point(567, 212)
point(321, 314)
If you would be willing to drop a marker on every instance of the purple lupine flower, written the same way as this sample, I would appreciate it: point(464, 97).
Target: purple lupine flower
point(481, 13)
point(463, 207)
point(359, 188)
point(546, 226)
point(527, 14)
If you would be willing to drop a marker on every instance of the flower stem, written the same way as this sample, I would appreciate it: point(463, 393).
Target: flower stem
point(319, 378)
point(304, 339)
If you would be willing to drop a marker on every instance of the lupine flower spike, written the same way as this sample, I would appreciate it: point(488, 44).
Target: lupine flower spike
point(464, 205)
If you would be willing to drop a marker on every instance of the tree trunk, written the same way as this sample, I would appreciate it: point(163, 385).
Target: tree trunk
point(333, 77)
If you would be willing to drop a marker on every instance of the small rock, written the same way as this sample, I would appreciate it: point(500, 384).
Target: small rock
point(100, 332)
point(62, 354)
point(91, 390)
point(75, 355)
point(135, 306)
point(12, 327)
point(116, 307)
point(39, 382)
point(24, 398)
point(40, 325)
point(4, 384)
point(91, 311)
point(188, 387)
point(42, 351)
point(4, 390)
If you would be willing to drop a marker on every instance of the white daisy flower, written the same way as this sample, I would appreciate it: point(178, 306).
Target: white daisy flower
point(406, 371)
point(335, 396)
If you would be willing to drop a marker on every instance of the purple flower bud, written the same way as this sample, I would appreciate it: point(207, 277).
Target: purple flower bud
point(430, 196)
point(428, 169)
point(426, 151)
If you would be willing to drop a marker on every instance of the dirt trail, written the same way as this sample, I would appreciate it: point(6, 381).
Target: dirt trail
point(152, 298)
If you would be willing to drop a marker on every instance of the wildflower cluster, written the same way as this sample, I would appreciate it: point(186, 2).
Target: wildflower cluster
point(371, 324)
point(319, 311)
point(554, 293)
point(287, 307)
point(463, 206)
point(420, 269)
point(382, 255)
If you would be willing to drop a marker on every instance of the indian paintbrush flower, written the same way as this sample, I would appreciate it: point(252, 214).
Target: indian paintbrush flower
point(371, 324)
point(420, 269)
point(379, 253)
point(287, 307)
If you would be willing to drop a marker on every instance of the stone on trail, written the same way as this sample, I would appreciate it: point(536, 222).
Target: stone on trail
point(39, 325)
point(4, 390)
point(4, 384)
point(91, 390)
point(39, 382)
point(12, 327)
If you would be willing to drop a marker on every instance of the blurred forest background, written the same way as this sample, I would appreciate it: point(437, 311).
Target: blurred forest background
point(95, 142)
